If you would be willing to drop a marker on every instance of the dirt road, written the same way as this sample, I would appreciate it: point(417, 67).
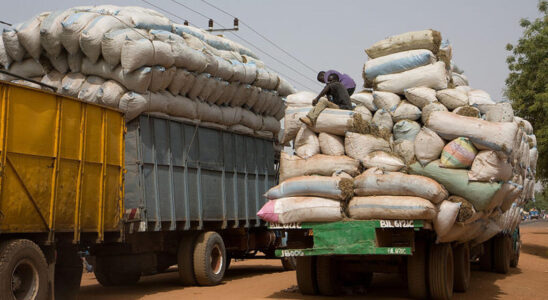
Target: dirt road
point(259, 279)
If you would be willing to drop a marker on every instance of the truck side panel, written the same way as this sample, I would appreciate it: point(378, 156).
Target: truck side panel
point(180, 175)
point(61, 164)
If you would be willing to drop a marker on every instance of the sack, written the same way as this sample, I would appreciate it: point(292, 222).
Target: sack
point(11, 43)
point(406, 111)
point(91, 38)
point(397, 62)
point(430, 108)
point(386, 100)
point(383, 160)
point(266, 79)
point(358, 146)
point(336, 188)
point(365, 99)
point(207, 112)
point(334, 121)
point(456, 182)
point(300, 99)
point(382, 123)
point(490, 230)
point(485, 135)
point(143, 52)
point(89, 91)
point(432, 76)
point(73, 25)
point(458, 154)
point(480, 99)
point(533, 158)
point(293, 166)
point(331, 144)
point(500, 112)
point(375, 182)
point(284, 88)
point(447, 214)
point(467, 111)
point(452, 98)
point(406, 130)
point(75, 61)
point(461, 233)
point(233, 115)
point(29, 35)
point(301, 209)
point(109, 93)
point(364, 113)
point(112, 43)
point(137, 81)
point(71, 84)
point(424, 39)
point(51, 29)
point(5, 59)
point(54, 79)
point(391, 208)
point(428, 146)
point(306, 143)
point(27, 68)
point(420, 96)
point(490, 166)
point(406, 150)
point(182, 78)
point(466, 211)
point(459, 79)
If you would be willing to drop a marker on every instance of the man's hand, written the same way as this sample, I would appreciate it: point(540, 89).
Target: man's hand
point(314, 102)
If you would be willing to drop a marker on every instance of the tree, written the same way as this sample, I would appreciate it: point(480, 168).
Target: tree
point(527, 83)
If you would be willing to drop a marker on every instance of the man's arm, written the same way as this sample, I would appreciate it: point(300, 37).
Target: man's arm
point(322, 93)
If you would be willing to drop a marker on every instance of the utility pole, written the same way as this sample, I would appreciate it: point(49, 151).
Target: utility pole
point(211, 29)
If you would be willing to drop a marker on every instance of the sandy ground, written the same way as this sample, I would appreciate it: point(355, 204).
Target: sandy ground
point(260, 279)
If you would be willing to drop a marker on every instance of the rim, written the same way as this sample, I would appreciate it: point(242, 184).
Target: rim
point(24, 280)
point(216, 260)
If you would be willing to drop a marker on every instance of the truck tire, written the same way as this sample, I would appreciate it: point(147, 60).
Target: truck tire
point(209, 258)
point(327, 276)
point(23, 271)
point(486, 258)
point(68, 273)
point(502, 250)
point(185, 260)
point(461, 259)
point(108, 277)
point(416, 272)
point(306, 275)
point(289, 263)
point(440, 271)
point(516, 248)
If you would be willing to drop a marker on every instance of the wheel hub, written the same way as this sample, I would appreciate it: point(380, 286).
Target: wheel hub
point(216, 260)
point(24, 281)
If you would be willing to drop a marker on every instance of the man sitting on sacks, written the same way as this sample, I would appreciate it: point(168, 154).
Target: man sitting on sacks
point(345, 79)
point(339, 99)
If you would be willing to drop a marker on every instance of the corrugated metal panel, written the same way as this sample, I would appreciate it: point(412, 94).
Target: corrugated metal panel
point(182, 175)
point(61, 164)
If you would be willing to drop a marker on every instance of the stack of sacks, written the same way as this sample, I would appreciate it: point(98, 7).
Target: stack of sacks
point(136, 60)
point(450, 155)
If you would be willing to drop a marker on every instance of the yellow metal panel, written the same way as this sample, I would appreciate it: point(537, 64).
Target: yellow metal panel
point(61, 163)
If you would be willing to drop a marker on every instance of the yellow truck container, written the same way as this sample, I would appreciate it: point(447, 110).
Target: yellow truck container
point(61, 183)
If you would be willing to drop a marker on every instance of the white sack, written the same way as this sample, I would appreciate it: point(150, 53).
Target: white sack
point(364, 98)
point(383, 160)
point(358, 146)
point(452, 98)
point(306, 143)
point(490, 166)
point(331, 144)
point(386, 100)
point(406, 111)
point(391, 207)
point(302, 186)
point(430, 108)
point(432, 76)
point(428, 146)
point(301, 209)
point(420, 96)
point(293, 166)
point(447, 214)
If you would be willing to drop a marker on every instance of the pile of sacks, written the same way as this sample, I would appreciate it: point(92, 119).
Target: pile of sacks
point(415, 147)
point(137, 60)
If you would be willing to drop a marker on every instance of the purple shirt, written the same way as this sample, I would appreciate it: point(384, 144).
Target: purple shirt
point(346, 80)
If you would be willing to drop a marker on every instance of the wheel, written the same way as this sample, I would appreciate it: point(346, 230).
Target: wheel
point(502, 250)
point(440, 271)
point(23, 271)
point(306, 275)
point(516, 247)
point(289, 263)
point(68, 273)
point(327, 277)
point(367, 279)
point(209, 258)
point(109, 277)
point(416, 272)
point(486, 258)
point(461, 264)
point(185, 260)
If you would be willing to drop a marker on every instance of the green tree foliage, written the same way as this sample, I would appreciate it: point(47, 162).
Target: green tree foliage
point(527, 84)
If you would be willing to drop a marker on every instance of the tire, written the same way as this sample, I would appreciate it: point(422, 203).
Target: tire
point(440, 271)
point(108, 277)
point(486, 258)
point(502, 250)
point(209, 258)
point(516, 248)
point(461, 264)
point(289, 263)
point(23, 263)
point(228, 260)
point(416, 272)
point(68, 273)
point(306, 275)
point(327, 276)
point(367, 279)
point(185, 260)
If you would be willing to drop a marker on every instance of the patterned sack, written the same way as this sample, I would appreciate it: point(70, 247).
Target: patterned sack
point(458, 154)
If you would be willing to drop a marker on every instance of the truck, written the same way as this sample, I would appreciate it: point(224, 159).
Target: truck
point(332, 255)
point(139, 197)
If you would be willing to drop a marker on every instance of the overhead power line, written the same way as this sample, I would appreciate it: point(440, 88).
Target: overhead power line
point(257, 48)
point(263, 37)
point(168, 12)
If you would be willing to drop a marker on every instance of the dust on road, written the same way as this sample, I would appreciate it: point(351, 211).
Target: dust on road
point(260, 279)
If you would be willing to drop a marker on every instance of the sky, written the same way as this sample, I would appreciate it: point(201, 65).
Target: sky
point(333, 34)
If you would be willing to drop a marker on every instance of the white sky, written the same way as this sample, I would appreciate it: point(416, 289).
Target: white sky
point(333, 34)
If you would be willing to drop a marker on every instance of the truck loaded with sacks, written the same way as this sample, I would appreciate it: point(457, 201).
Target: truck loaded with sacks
point(425, 176)
point(155, 150)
